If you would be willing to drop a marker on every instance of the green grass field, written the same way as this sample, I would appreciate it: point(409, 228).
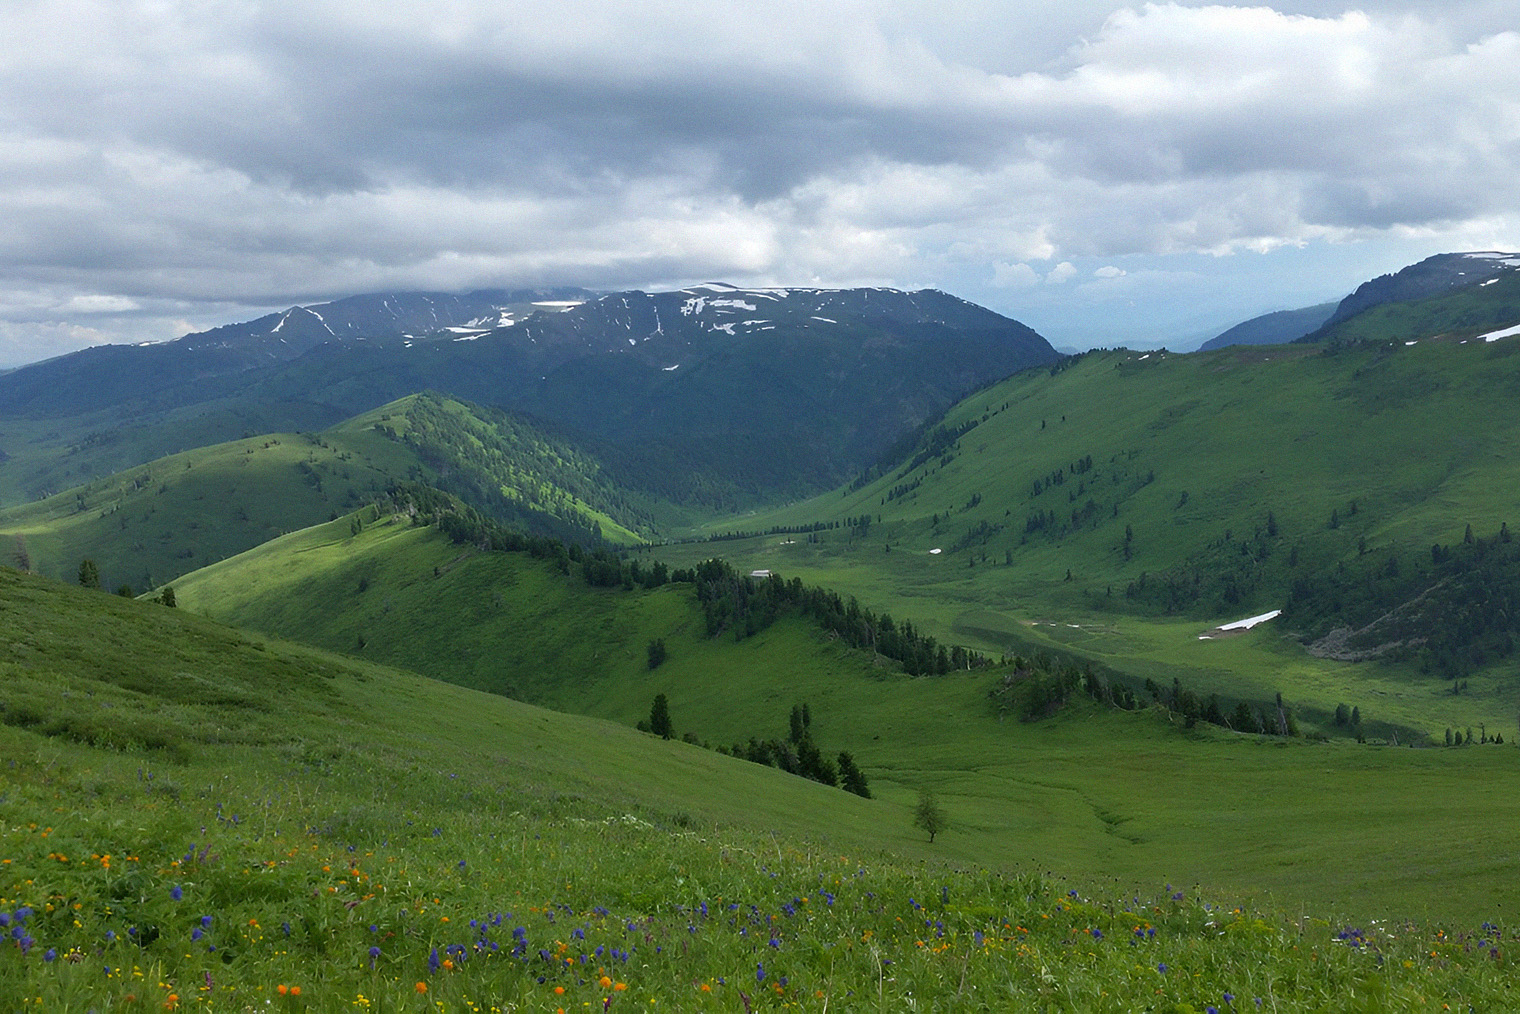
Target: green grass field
point(284, 829)
point(1089, 794)
point(1403, 445)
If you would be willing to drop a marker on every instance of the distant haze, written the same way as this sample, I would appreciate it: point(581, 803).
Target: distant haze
point(1107, 173)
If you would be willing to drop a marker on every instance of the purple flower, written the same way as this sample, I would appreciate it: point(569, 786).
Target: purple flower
point(176, 892)
point(1161, 968)
point(1097, 934)
point(197, 933)
point(51, 955)
point(434, 963)
point(759, 973)
point(1211, 1009)
point(110, 935)
point(206, 921)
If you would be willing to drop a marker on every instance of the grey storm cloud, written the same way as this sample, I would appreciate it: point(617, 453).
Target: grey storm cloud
point(162, 161)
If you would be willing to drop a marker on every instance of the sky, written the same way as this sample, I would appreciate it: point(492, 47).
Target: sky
point(1108, 173)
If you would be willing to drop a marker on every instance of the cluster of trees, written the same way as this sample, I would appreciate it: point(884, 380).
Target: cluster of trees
point(1224, 574)
point(797, 754)
point(1038, 687)
point(1274, 719)
point(1456, 739)
point(861, 522)
point(517, 472)
point(1057, 477)
point(1452, 610)
point(940, 443)
point(745, 606)
point(730, 602)
point(89, 577)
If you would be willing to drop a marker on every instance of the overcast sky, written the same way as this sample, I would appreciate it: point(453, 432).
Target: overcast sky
point(1105, 172)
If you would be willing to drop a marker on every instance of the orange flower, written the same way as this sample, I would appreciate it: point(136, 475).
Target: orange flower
point(448, 963)
point(618, 987)
point(295, 990)
point(559, 990)
point(422, 987)
point(604, 982)
point(282, 989)
point(706, 988)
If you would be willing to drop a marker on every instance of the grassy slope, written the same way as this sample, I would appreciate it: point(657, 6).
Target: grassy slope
point(1461, 314)
point(1088, 794)
point(324, 834)
point(1422, 438)
point(147, 525)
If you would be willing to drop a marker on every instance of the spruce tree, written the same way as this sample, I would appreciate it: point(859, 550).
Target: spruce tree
point(659, 717)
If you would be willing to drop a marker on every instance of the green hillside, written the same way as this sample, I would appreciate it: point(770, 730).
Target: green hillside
point(147, 525)
point(262, 826)
point(1129, 502)
point(1111, 793)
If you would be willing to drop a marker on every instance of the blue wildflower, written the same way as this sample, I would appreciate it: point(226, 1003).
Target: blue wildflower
point(176, 892)
point(51, 955)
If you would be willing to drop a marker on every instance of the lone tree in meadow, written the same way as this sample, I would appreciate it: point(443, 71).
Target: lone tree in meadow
point(89, 574)
point(656, 652)
point(659, 717)
point(927, 815)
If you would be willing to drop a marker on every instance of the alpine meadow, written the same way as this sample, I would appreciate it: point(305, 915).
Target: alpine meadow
point(825, 507)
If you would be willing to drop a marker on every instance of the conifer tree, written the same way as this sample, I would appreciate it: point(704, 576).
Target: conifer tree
point(659, 717)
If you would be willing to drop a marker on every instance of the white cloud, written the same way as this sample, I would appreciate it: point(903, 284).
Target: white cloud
point(1061, 273)
point(1014, 276)
point(1109, 271)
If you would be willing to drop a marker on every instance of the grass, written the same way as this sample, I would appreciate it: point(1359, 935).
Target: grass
point(1089, 794)
point(355, 838)
point(147, 525)
point(1405, 445)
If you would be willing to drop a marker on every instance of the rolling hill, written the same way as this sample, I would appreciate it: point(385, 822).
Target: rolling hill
point(1132, 501)
point(1095, 783)
point(198, 816)
point(147, 525)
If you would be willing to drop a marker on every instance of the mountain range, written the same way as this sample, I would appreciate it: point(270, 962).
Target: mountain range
point(711, 395)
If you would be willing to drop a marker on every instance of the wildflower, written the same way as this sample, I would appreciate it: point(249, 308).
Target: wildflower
point(759, 973)
point(282, 989)
point(1161, 968)
point(176, 892)
point(433, 962)
point(422, 987)
point(51, 955)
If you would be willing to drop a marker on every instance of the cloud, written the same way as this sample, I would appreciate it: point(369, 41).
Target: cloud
point(1014, 276)
point(1109, 271)
point(159, 160)
point(1061, 273)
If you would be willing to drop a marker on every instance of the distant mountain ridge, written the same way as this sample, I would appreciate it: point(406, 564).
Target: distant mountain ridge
point(712, 393)
point(1452, 290)
point(1277, 328)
